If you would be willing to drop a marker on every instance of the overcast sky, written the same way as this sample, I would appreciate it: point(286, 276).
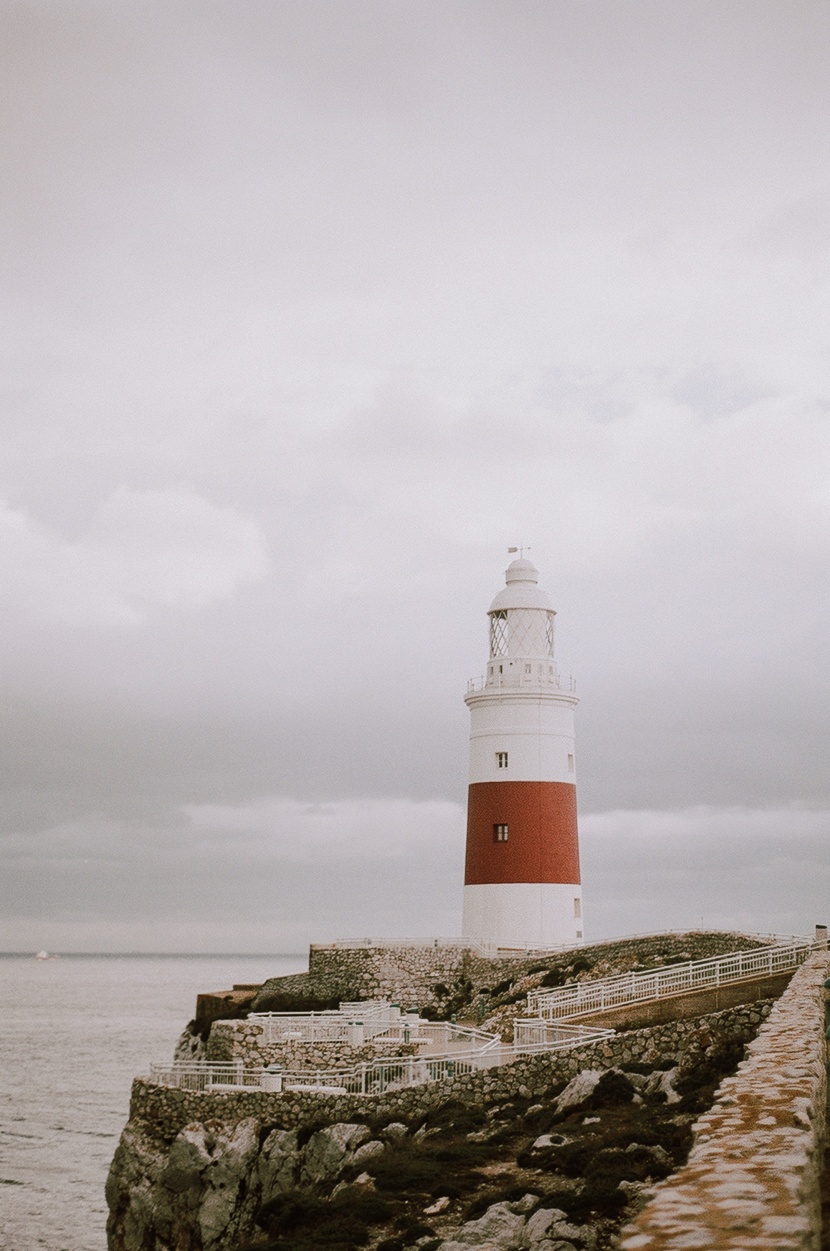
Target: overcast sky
point(309, 311)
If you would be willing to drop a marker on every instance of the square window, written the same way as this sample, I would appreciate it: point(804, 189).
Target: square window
point(500, 833)
point(501, 759)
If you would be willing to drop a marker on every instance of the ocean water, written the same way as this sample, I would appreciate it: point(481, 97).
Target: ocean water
point(74, 1031)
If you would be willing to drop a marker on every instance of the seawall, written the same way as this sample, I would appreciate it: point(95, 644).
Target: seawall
point(752, 1180)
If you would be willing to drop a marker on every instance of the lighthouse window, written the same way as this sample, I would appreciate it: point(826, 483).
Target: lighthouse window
point(570, 762)
point(501, 759)
point(498, 633)
point(500, 833)
point(577, 907)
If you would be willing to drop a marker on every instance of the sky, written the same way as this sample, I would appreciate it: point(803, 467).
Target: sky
point(309, 311)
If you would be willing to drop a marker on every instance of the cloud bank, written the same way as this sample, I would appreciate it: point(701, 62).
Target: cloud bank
point(309, 314)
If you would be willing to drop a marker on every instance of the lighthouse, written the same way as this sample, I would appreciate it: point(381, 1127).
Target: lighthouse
point(521, 882)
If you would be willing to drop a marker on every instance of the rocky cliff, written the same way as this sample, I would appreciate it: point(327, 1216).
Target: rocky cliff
point(549, 1152)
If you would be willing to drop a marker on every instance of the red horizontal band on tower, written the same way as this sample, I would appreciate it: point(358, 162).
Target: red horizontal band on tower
point(542, 843)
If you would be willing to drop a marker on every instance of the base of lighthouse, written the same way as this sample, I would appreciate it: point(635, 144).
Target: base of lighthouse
point(518, 914)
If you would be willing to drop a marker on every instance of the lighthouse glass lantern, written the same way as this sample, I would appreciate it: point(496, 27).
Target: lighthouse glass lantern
point(522, 882)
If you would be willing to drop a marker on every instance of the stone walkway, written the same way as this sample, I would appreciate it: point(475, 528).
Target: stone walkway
point(825, 1204)
point(752, 1179)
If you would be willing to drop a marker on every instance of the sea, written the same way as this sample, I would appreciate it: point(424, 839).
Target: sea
point(74, 1032)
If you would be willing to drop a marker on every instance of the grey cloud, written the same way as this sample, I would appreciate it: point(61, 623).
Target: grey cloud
point(312, 312)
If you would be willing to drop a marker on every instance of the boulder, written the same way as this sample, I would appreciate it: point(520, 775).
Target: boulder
point(276, 1167)
point(524, 1205)
point(578, 1091)
point(368, 1151)
point(499, 1229)
point(189, 1157)
point(329, 1151)
point(226, 1184)
point(595, 1088)
point(394, 1132)
point(537, 1227)
point(662, 1082)
point(130, 1189)
point(548, 1140)
point(189, 1047)
point(204, 1186)
point(654, 1158)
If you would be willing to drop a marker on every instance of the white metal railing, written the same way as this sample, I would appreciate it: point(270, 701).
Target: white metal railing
point(350, 944)
point(378, 1076)
point(490, 950)
point(371, 1077)
point(531, 1036)
point(567, 1002)
point(205, 1075)
point(351, 1022)
point(543, 682)
point(357, 1023)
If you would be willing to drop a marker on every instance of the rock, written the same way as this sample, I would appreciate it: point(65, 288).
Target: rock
point(548, 1140)
point(498, 1229)
point(524, 1205)
point(136, 1165)
point(662, 1082)
point(394, 1132)
point(440, 1205)
point(580, 1235)
point(637, 1194)
point(226, 1183)
point(203, 1196)
point(329, 1151)
point(578, 1090)
point(276, 1167)
point(368, 1151)
point(593, 1087)
point(189, 1047)
point(539, 1224)
point(659, 1158)
point(189, 1157)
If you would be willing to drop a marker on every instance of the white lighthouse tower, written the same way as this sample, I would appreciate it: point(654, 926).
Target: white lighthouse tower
point(521, 882)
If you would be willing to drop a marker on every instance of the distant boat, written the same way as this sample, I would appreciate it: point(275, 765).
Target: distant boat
point(44, 955)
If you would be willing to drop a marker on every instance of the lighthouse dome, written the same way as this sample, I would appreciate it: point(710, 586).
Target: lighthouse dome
point(522, 589)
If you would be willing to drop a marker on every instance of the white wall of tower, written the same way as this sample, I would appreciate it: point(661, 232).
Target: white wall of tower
point(518, 913)
point(536, 732)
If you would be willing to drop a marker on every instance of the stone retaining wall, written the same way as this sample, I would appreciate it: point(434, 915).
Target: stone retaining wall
point(411, 975)
point(163, 1111)
point(752, 1179)
point(244, 1040)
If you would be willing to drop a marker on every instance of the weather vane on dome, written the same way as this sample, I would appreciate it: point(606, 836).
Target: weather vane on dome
point(511, 551)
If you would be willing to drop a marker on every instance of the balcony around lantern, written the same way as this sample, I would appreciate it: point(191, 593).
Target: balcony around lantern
point(520, 680)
